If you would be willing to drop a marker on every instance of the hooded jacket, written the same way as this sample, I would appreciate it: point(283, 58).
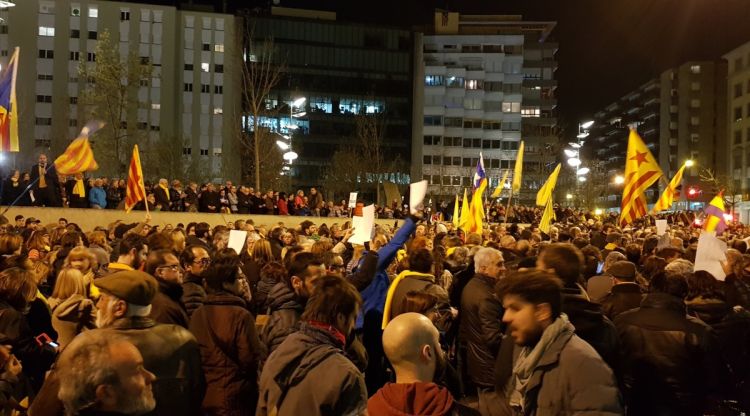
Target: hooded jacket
point(290, 383)
point(71, 316)
point(415, 399)
point(284, 314)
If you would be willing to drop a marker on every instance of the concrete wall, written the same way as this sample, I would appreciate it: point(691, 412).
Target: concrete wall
point(87, 219)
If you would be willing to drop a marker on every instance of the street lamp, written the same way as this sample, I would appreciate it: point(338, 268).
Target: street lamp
point(282, 145)
point(574, 162)
point(586, 124)
point(689, 163)
point(619, 180)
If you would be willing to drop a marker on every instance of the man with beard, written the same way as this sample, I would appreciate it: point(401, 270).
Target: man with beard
point(104, 375)
point(309, 373)
point(289, 298)
point(132, 251)
point(555, 372)
point(170, 352)
point(47, 187)
point(167, 307)
point(412, 344)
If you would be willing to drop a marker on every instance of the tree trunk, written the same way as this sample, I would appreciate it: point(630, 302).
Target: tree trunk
point(256, 154)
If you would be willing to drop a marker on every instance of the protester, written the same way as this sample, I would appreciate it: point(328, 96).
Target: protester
point(167, 306)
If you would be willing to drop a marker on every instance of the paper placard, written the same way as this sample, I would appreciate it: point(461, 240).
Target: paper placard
point(417, 191)
point(352, 199)
point(661, 227)
point(363, 225)
point(710, 254)
point(237, 240)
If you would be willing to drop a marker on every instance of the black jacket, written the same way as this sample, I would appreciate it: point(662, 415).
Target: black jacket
point(167, 307)
point(285, 311)
point(667, 358)
point(591, 324)
point(623, 297)
point(480, 328)
point(15, 330)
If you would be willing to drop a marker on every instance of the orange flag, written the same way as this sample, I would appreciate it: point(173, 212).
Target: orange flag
point(135, 191)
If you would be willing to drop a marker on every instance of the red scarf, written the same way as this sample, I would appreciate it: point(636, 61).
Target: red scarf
point(335, 333)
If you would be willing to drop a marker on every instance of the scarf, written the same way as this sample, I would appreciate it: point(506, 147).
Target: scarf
point(79, 189)
point(166, 190)
point(529, 358)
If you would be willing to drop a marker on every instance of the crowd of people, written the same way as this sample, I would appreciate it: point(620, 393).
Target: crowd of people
point(424, 319)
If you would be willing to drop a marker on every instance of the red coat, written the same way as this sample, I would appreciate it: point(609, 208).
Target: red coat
point(283, 210)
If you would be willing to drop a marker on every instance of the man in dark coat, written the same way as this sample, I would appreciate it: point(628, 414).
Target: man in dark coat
point(668, 358)
point(191, 197)
point(162, 196)
point(481, 327)
point(167, 307)
point(309, 369)
point(47, 188)
point(77, 190)
point(244, 200)
point(208, 200)
point(195, 260)
point(625, 294)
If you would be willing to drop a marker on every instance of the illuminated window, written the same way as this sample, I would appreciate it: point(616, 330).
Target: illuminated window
point(93, 11)
point(474, 84)
point(219, 47)
point(46, 31)
point(204, 66)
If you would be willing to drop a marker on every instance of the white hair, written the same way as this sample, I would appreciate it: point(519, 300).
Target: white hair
point(484, 257)
point(679, 266)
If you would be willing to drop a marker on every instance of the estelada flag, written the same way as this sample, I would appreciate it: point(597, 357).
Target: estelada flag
point(79, 157)
point(135, 190)
point(715, 211)
point(9, 106)
point(641, 171)
point(667, 197)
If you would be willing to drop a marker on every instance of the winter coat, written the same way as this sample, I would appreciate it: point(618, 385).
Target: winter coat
point(72, 316)
point(16, 332)
point(193, 293)
point(290, 383)
point(97, 196)
point(570, 379)
point(737, 289)
point(591, 324)
point(480, 328)
point(399, 399)
point(167, 307)
point(284, 314)
point(230, 352)
point(623, 297)
point(668, 361)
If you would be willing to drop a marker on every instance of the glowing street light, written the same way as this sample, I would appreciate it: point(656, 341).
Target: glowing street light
point(581, 179)
point(598, 211)
point(587, 124)
point(568, 196)
point(583, 135)
point(689, 163)
point(299, 101)
point(290, 156)
point(574, 162)
point(570, 153)
point(574, 145)
point(582, 171)
point(619, 180)
point(282, 145)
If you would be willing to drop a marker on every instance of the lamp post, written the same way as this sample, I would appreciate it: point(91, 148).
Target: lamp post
point(290, 155)
point(574, 154)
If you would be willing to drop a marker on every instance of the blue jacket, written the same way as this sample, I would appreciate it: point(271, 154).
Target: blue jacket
point(373, 296)
point(97, 196)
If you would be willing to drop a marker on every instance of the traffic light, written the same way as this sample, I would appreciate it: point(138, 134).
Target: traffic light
point(693, 192)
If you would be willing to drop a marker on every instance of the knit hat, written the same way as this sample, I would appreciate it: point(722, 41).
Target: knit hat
point(132, 286)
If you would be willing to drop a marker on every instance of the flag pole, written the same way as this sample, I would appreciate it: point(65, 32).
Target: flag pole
point(507, 208)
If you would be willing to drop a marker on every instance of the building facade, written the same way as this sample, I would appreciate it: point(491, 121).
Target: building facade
point(738, 126)
point(678, 115)
point(344, 74)
point(182, 102)
point(482, 84)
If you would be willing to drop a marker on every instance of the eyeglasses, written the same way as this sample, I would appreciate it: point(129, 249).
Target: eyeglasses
point(172, 267)
point(204, 262)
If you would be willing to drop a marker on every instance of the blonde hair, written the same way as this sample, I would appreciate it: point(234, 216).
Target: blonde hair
point(178, 240)
point(81, 252)
point(69, 282)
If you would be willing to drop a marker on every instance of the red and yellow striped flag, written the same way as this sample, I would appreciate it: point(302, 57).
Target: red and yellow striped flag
point(135, 191)
point(79, 157)
point(641, 171)
point(667, 197)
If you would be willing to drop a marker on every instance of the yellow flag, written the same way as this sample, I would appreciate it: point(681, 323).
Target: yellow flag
point(455, 213)
point(547, 216)
point(499, 190)
point(518, 170)
point(545, 193)
point(466, 219)
point(641, 171)
point(477, 208)
point(667, 197)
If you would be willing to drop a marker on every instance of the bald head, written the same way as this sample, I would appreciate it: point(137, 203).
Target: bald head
point(412, 344)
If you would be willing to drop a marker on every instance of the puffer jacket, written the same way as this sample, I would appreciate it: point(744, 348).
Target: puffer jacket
point(284, 314)
point(71, 316)
point(230, 352)
point(668, 361)
point(480, 328)
point(309, 374)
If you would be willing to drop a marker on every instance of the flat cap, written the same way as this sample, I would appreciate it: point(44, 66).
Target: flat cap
point(132, 286)
point(622, 270)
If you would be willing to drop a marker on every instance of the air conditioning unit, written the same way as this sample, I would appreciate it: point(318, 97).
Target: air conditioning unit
point(75, 11)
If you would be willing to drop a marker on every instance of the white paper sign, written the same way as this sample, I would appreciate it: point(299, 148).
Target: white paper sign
point(237, 240)
point(363, 225)
point(352, 199)
point(417, 191)
point(711, 252)
point(661, 227)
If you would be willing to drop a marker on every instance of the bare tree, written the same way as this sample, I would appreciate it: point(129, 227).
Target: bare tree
point(111, 96)
point(260, 71)
point(718, 183)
